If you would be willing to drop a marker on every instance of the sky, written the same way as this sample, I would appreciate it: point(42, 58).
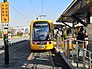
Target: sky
point(22, 12)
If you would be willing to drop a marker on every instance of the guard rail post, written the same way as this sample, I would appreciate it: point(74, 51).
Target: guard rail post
point(72, 53)
point(89, 60)
point(77, 55)
point(68, 49)
point(57, 44)
point(60, 43)
point(64, 47)
point(84, 55)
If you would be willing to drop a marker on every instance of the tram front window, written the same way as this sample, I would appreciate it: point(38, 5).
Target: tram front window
point(41, 32)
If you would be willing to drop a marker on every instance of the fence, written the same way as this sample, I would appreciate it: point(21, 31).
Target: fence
point(76, 52)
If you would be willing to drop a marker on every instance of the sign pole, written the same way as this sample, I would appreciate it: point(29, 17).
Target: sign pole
point(5, 26)
point(6, 47)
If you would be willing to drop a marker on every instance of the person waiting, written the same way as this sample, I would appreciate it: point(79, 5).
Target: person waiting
point(80, 38)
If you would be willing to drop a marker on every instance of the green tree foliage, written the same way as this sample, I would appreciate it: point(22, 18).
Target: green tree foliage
point(9, 32)
point(19, 33)
point(0, 34)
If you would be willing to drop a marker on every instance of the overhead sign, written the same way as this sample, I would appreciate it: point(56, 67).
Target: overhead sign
point(5, 12)
point(41, 24)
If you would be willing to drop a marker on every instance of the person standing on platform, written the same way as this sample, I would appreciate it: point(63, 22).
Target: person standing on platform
point(86, 39)
point(80, 38)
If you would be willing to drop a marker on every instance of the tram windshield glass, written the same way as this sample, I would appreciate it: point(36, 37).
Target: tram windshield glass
point(41, 31)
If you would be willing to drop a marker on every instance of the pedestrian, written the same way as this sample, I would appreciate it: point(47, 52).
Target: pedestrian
point(80, 38)
point(74, 38)
point(86, 39)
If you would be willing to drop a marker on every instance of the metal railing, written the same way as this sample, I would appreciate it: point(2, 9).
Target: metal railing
point(77, 53)
point(87, 56)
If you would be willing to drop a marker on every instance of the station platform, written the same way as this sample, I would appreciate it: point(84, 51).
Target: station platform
point(72, 61)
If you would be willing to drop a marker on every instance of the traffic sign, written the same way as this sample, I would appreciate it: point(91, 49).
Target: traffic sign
point(5, 12)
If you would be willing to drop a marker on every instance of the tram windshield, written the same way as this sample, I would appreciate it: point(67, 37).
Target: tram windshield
point(41, 31)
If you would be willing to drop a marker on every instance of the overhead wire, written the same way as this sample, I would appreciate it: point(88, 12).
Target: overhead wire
point(32, 7)
point(19, 13)
point(42, 7)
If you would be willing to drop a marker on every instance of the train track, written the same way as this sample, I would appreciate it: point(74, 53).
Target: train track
point(22, 58)
point(40, 60)
point(17, 55)
point(13, 49)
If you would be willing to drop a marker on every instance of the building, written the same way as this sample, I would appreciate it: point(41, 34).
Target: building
point(19, 29)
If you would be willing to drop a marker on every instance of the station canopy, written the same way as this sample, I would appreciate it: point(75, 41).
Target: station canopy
point(76, 11)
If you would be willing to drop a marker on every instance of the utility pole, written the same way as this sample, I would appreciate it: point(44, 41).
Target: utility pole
point(5, 26)
point(5, 0)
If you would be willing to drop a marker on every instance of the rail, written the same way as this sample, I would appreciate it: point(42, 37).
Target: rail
point(88, 58)
point(77, 53)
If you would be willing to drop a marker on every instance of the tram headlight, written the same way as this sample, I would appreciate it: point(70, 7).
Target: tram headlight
point(35, 42)
point(47, 42)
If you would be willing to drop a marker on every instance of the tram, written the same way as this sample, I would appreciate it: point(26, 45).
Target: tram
point(41, 35)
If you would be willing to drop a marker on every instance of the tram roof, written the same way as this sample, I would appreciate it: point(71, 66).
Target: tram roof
point(41, 20)
point(79, 8)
